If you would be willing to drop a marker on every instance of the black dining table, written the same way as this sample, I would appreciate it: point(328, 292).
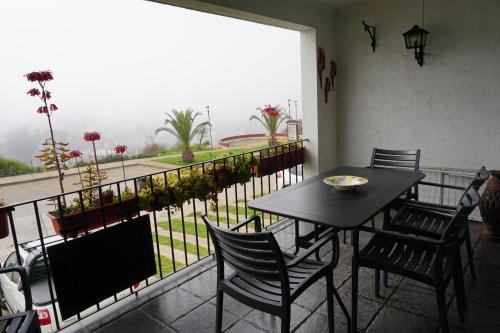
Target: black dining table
point(316, 202)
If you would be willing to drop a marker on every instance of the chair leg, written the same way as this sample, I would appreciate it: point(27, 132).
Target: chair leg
point(285, 321)
point(460, 282)
point(459, 295)
point(443, 311)
point(329, 300)
point(377, 283)
point(297, 235)
point(386, 279)
point(218, 316)
point(469, 254)
point(345, 236)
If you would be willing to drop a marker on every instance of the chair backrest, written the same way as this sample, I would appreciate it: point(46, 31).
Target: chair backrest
point(479, 179)
point(255, 255)
point(467, 204)
point(405, 159)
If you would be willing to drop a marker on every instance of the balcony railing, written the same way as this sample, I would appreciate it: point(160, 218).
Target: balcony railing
point(180, 238)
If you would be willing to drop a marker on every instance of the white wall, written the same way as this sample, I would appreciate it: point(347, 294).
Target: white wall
point(450, 107)
point(317, 27)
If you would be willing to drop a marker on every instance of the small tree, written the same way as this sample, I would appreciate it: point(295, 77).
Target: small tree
point(271, 117)
point(120, 150)
point(182, 127)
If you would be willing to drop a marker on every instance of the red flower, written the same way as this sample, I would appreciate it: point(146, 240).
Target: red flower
point(41, 76)
point(91, 136)
point(120, 149)
point(271, 111)
point(42, 109)
point(75, 154)
point(46, 95)
point(33, 92)
point(53, 107)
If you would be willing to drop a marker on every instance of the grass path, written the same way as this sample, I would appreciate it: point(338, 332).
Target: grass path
point(166, 265)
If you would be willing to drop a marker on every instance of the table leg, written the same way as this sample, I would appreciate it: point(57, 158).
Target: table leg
point(354, 280)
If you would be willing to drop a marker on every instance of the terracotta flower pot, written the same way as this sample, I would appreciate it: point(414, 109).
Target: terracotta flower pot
point(271, 164)
point(489, 207)
point(76, 223)
point(4, 225)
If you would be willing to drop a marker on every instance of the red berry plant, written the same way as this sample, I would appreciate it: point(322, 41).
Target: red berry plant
point(120, 150)
point(93, 137)
point(75, 154)
point(54, 154)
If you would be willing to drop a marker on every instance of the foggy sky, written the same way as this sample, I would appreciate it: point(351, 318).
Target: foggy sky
point(119, 65)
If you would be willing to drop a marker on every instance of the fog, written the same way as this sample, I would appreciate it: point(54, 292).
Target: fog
point(119, 65)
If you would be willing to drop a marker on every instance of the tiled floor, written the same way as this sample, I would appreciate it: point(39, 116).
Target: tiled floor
point(406, 306)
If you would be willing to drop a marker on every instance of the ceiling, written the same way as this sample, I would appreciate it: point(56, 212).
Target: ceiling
point(331, 4)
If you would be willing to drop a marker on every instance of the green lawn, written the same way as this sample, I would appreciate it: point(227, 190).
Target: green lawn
point(166, 265)
point(204, 156)
point(188, 225)
point(179, 245)
point(178, 149)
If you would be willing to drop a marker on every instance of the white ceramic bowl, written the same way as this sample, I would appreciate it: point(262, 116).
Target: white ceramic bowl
point(343, 183)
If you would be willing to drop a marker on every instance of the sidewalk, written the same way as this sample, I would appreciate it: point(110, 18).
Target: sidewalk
point(149, 162)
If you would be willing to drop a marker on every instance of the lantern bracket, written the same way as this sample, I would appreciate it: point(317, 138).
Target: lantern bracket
point(419, 55)
point(372, 31)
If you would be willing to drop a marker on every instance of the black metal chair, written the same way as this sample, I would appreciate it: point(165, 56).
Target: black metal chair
point(400, 159)
point(265, 277)
point(22, 322)
point(435, 228)
point(427, 260)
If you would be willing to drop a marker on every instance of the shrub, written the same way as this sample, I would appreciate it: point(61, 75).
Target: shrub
point(10, 167)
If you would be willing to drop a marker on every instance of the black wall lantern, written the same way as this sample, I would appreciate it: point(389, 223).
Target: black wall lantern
point(416, 38)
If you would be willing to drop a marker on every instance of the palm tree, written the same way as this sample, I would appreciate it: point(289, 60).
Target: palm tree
point(271, 118)
point(182, 123)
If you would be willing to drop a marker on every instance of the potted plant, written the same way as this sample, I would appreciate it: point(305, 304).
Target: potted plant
point(77, 219)
point(75, 222)
point(280, 158)
point(4, 221)
point(192, 184)
point(489, 206)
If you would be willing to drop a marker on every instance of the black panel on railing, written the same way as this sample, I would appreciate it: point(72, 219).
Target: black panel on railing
point(89, 269)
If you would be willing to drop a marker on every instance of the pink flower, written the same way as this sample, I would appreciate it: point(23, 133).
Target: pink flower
point(42, 109)
point(46, 95)
point(120, 149)
point(33, 92)
point(40, 76)
point(91, 136)
point(53, 107)
point(75, 154)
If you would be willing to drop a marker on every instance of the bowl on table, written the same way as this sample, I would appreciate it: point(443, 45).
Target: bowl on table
point(343, 183)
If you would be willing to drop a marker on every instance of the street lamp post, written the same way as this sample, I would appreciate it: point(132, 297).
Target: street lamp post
point(289, 115)
point(210, 124)
point(296, 114)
